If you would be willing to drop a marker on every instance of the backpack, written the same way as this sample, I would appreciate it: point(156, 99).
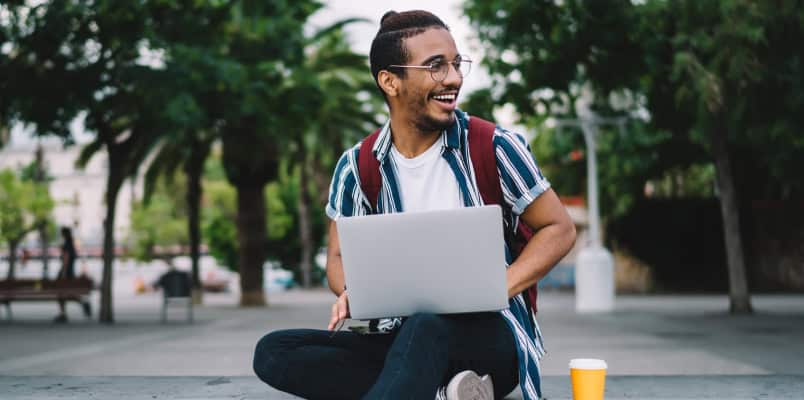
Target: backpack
point(484, 161)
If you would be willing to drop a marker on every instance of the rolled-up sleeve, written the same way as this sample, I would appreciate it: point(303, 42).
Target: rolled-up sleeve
point(345, 196)
point(520, 177)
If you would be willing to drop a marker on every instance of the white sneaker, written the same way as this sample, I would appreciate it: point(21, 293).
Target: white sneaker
point(467, 385)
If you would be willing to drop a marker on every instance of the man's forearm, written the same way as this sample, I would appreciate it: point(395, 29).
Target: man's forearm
point(335, 274)
point(334, 262)
point(544, 250)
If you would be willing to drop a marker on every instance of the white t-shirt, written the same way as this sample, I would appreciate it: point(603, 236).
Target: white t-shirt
point(426, 181)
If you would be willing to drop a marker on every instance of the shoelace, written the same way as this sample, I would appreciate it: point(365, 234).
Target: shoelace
point(441, 394)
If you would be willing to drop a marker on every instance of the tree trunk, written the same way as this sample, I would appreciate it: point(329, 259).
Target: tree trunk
point(739, 299)
point(12, 258)
point(40, 178)
point(322, 181)
point(43, 246)
point(194, 169)
point(305, 226)
point(251, 235)
point(113, 184)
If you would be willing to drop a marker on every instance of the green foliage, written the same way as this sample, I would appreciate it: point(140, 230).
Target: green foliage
point(281, 198)
point(626, 160)
point(735, 66)
point(160, 224)
point(562, 158)
point(695, 181)
point(481, 103)
point(543, 56)
point(219, 212)
point(24, 205)
point(685, 66)
point(284, 243)
point(541, 52)
point(242, 72)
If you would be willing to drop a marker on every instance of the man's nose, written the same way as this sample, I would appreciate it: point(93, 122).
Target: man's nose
point(454, 77)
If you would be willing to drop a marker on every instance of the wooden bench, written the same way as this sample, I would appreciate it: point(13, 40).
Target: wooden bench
point(46, 290)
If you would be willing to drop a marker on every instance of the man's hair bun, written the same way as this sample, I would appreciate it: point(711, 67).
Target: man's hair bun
point(389, 14)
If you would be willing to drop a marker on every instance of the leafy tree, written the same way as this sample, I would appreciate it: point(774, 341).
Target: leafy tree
point(188, 34)
point(220, 210)
point(85, 56)
point(185, 150)
point(266, 108)
point(24, 206)
point(36, 171)
point(733, 94)
point(245, 95)
point(710, 74)
point(348, 109)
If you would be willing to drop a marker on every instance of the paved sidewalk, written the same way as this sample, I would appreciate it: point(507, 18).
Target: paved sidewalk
point(740, 387)
point(656, 347)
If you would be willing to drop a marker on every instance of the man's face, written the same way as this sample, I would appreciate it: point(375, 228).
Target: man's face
point(418, 92)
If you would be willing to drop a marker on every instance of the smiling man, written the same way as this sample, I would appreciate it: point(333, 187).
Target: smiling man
point(425, 163)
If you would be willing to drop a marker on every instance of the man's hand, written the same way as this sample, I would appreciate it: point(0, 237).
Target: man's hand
point(340, 311)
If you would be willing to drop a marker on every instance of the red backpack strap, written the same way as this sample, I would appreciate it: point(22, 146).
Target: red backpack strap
point(484, 161)
point(368, 168)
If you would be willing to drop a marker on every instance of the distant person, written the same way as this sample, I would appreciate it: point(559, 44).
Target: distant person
point(174, 283)
point(26, 256)
point(68, 257)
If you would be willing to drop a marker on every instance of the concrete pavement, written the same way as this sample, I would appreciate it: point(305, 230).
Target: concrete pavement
point(742, 387)
point(656, 347)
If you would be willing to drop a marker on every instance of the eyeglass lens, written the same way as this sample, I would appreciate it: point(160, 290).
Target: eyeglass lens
point(440, 70)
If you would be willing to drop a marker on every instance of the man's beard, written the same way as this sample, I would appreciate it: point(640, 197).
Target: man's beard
point(425, 123)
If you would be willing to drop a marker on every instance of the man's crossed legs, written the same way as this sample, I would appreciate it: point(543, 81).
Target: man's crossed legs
point(412, 363)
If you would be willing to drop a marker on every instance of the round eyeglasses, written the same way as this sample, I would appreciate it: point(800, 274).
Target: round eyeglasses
point(439, 69)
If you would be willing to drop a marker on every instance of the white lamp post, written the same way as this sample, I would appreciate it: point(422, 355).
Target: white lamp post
point(594, 268)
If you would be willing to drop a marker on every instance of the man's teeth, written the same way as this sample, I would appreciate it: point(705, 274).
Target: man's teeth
point(445, 97)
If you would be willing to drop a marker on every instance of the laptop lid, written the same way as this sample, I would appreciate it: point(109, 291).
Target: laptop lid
point(448, 261)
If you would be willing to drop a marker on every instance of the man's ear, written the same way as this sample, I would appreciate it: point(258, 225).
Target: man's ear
point(389, 83)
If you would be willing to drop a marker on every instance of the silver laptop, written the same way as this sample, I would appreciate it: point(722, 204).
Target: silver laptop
point(450, 261)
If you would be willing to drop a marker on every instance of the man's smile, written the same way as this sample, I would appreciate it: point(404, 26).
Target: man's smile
point(446, 100)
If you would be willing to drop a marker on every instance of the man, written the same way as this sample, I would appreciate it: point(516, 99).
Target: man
point(424, 166)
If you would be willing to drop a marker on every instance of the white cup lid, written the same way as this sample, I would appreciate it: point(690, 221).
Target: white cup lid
point(587, 363)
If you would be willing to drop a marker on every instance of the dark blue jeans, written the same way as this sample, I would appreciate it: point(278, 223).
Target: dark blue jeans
point(423, 354)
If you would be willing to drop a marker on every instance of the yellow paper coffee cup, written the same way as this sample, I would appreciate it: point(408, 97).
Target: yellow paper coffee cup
point(588, 377)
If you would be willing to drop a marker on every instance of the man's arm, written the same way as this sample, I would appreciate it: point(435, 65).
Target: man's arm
point(340, 310)
point(334, 262)
point(554, 237)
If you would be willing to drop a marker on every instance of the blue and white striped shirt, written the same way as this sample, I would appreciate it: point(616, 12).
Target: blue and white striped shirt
point(521, 181)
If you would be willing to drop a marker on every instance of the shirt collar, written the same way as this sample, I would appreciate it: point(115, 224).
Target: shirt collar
point(451, 137)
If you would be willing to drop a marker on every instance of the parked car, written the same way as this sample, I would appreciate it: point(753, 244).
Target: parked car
point(275, 278)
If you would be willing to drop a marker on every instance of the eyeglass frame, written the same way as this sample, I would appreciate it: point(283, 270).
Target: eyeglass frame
point(430, 67)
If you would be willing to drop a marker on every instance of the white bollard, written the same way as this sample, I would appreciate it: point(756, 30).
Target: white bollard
point(594, 280)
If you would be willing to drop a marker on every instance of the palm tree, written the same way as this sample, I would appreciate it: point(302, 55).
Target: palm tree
point(127, 140)
point(348, 110)
point(187, 150)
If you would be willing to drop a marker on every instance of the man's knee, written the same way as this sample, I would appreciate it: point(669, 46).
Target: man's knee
point(433, 324)
point(270, 359)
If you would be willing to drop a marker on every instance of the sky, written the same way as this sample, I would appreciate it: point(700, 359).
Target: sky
point(360, 36)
